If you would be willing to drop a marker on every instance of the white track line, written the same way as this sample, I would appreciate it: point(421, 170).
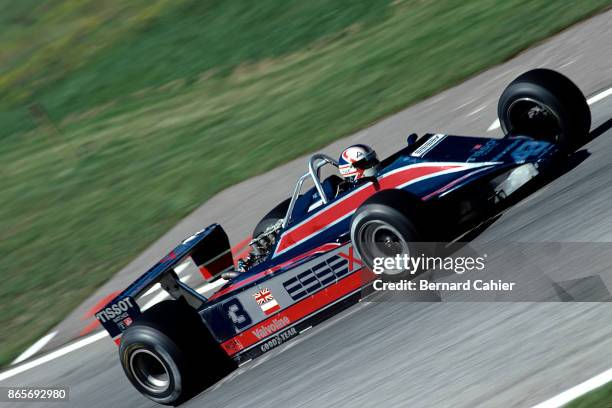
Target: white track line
point(494, 125)
point(472, 113)
point(152, 289)
point(555, 402)
point(572, 393)
point(590, 101)
point(53, 355)
point(161, 296)
point(34, 348)
point(603, 378)
point(577, 391)
point(208, 287)
point(179, 269)
point(599, 96)
point(154, 300)
point(80, 343)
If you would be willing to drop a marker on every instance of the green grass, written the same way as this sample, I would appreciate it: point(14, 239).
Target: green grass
point(598, 398)
point(161, 104)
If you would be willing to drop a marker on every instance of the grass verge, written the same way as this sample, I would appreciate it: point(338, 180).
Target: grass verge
point(598, 398)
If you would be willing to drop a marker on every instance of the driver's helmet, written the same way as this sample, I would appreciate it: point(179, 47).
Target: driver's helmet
point(356, 162)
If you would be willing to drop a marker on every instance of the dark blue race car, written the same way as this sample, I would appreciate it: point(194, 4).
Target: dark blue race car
point(312, 254)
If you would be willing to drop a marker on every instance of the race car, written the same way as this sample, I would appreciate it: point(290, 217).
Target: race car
point(313, 253)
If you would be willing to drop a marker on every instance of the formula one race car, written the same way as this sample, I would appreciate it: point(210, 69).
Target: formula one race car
point(312, 254)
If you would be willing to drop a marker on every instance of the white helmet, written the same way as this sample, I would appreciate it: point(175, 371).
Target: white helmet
point(356, 162)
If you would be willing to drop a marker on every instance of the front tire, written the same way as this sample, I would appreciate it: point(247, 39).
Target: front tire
point(383, 227)
point(545, 105)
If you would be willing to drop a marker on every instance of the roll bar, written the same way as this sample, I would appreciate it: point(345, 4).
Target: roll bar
point(314, 166)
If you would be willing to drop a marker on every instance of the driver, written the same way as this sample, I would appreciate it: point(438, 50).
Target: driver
point(356, 163)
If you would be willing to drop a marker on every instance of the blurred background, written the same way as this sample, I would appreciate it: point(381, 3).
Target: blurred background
point(119, 118)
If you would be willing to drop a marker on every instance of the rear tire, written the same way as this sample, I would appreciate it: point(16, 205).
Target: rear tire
point(169, 356)
point(545, 105)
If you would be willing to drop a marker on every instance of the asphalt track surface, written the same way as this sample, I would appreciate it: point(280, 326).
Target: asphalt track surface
point(415, 354)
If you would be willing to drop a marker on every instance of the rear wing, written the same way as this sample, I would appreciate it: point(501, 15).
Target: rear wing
point(209, 250)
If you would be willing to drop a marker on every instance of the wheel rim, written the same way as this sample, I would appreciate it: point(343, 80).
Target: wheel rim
point(150, 371)
point(533, 118)
point(382, 240)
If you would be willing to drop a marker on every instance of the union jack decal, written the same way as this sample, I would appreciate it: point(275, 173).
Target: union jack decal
point(266, 301)
point(263, 296)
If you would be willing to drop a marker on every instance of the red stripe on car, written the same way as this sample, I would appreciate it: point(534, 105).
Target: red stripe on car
point(348, 204)
point(300, 310)
point(320, 249)
point(210, 269)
